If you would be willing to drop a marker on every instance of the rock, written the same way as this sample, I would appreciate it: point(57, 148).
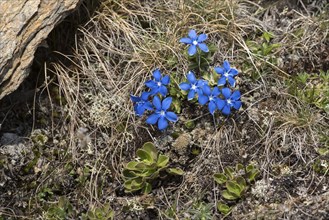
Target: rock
point(24, 24)
point(181, 143)
point(9, 138)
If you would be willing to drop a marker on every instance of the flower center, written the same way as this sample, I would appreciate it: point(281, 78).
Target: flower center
point(194, 87)
point(195, 42)
point(211, 98)
point(162, 113)
point(226, 74)
point(229, 101)
point(159, 83)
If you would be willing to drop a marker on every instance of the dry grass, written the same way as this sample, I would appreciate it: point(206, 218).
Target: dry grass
point(116, 51)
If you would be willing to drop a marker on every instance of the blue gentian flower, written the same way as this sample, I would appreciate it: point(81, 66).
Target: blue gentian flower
point(194, 86)
point(141, 103)
point(230, 100)
point(194, 40)
point(227, 74)
point(158, 85)
point(211, 96)
point(161, 114)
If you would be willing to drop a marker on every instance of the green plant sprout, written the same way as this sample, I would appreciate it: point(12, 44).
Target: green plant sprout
point(311, 89)
point(139, 174)
point(236, 182)
point(266, 47)
point(99, 213)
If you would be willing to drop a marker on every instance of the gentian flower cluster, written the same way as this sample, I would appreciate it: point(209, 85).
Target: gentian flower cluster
point(151, 101)
point(222, 96)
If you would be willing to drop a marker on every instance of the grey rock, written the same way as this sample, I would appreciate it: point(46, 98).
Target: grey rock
point(24, 24)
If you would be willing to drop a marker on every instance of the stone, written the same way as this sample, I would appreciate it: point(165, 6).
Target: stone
point(24, 24)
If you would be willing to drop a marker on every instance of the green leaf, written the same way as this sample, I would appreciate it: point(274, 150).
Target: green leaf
point(323, 151)
point(190, 124)
point(239, 167)
point(252, 175)
point(175, 171)
point(229, 196)
point(145, 156)
point(132, 165)
point(147, 188)
point(137, 183)
point(267, 36)
point(233, 188)
point(141, 166)
point(229, 172)
point(173, 91)
point(241, 181)
point(176, 105)
point(151, 150)
point(162, 161)
point(223, 208)
point(128, 174)
point(193, 66)
point(133, 185)
point(207, 76)
point(212, 48)
point(220, 178)
point(250, 167)
point(147, 172)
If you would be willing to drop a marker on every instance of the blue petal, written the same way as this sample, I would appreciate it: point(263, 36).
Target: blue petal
point(201, 83)
point(233, 72)
point(154, 90)
point(220, 103)
point(221, 81)
point(190, 95)
point(135, 98)
point(226, 65)
point(199, 91)
point(190, 77)
point(206, 90)
point(231, 81)
point(226, 110)
point(203, 47)
point(151, 84)
point(236, 95)
point(135, 109)
point(157, 103)
point(185, 40)
point(157, 75)
point(202, 37)
point(166, 103)
point(165, 80)
point(192, 34)
point(148, 106)
point(163, 90)
point(152, 119)
point(192, 50)
point(162, 123)
point(145, 96)
point(219, 70)
point(171, 116)
point(226, 93)
point(215, 91)
point(140, 109)
point(185, 86)
point(237, 105)
point(212, 107)
point(203, 99)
